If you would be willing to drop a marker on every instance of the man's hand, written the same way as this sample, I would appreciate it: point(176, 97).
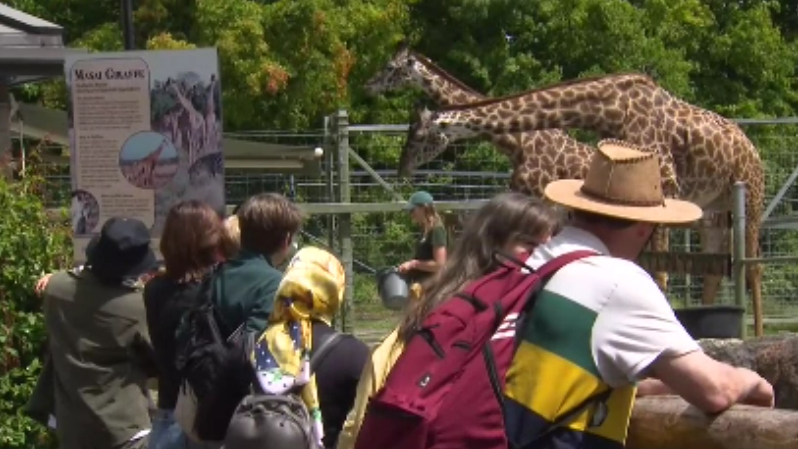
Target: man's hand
point(41, 284)
point(761, 394)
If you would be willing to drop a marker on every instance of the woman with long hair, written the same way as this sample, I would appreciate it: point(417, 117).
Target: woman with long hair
point(191, 244)
point(430, 252)
point(510, 223)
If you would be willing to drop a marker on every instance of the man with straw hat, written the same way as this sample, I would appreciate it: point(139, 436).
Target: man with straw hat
point(601, 324)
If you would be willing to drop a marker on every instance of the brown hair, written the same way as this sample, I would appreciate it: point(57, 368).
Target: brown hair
point(190, 240)
point(507, 218)
point(231, 237)
point(266, 222)
point(431, 218)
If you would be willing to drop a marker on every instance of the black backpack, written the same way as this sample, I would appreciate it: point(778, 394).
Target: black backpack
point(214, 362)
point(276, 421)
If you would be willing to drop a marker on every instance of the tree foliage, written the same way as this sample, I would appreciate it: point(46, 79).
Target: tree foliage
point(285, 64)
point(31, 244)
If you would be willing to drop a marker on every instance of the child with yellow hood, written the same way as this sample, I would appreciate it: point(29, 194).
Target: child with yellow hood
point(312, 289)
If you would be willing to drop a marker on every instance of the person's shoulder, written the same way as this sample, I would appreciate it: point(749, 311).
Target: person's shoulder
point(351, 342)
point(438, 234)
point(594, 280)
point(61, 275)
point(60, 282)
point(354, 352)
point(157, 284)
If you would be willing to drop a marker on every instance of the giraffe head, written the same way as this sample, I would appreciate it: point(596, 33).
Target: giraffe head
point(424, 142)
point(403, 69)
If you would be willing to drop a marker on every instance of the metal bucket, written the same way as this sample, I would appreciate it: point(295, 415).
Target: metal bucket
point(393, 288)
point(712, 321)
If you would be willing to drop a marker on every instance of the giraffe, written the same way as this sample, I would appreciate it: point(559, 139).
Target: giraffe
point(143, 171)
point(79, 216)
point(537, 157)
point(171, 124)
point(196, 131)
point(211, 128)
point(709, 152)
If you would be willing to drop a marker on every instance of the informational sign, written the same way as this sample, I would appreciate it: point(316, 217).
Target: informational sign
point(145, 130)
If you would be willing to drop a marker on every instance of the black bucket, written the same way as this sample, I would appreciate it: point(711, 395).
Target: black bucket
point(392, 287)
point(715, 321)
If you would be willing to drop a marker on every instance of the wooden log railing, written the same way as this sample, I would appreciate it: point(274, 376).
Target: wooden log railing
point(668, 422)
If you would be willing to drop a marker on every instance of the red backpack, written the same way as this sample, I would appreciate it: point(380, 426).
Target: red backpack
point(444, 391)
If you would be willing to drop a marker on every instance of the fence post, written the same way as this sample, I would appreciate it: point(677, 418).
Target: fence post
point(330, 139)
point(738, 250)
point(345, 220)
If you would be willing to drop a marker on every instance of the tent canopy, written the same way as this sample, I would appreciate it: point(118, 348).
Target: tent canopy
point(42, 123)
point(31, 49)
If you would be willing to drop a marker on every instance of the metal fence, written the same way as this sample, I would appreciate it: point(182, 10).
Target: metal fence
point(473, 171)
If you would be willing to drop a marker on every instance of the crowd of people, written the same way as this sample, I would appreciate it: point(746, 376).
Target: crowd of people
point(600, 332)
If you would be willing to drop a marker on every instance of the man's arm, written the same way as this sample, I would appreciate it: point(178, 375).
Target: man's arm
point(710, 385)
point(637, 335)
point(652, 387)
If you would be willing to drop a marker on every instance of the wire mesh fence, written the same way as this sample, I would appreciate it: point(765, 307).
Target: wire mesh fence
point(471, 171)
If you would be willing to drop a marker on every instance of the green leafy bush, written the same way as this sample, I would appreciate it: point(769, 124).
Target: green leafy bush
point(31, 244)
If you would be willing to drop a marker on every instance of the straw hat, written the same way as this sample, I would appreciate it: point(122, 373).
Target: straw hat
point(622, 182)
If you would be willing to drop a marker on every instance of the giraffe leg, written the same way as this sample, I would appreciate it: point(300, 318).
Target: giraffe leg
point(713, 240)
point(660, 244)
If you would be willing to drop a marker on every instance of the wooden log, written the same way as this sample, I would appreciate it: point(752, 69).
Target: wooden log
point(668, 422)
point(774, 357)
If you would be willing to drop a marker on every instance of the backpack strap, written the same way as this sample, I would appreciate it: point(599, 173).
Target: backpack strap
point(324, 349)
point(549, 268)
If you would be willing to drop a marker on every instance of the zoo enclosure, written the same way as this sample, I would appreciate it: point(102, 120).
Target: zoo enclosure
point(355, 206)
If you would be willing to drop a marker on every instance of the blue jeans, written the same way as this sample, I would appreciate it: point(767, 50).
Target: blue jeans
point(167, 434)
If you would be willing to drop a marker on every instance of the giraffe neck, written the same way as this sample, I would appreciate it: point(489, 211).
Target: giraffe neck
point(184, 101)
point(602, 105)
point(447, 90)
point(441, 86)
point(211, 100)
point(157, 153)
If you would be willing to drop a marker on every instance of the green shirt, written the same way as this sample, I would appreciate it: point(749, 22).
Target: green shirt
point(425, 249)
point(100, 349)
point(244, 290)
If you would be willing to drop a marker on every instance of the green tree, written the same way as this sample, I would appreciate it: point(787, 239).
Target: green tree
point(31, 244)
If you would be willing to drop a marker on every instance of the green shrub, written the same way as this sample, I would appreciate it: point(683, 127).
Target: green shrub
point(30, 244)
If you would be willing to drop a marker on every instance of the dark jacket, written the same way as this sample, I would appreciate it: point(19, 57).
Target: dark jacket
point(101, 359)
point(243, 291)
point(337, 379)
point(166, 302)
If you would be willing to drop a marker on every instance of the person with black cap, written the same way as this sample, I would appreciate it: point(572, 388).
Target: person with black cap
point(98, 342)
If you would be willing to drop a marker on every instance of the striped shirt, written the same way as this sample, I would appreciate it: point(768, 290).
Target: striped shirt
point(598, 324)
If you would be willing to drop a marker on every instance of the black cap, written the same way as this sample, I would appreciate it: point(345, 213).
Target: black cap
point(121, 251)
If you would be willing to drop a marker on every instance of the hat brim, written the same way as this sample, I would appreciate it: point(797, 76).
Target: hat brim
point(119, 270)
point(410, 206)
point(568, 193)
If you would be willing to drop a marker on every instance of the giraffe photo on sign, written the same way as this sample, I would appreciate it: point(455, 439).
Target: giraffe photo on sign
point(85, 212)
point(148, 160)
point(145, 131)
